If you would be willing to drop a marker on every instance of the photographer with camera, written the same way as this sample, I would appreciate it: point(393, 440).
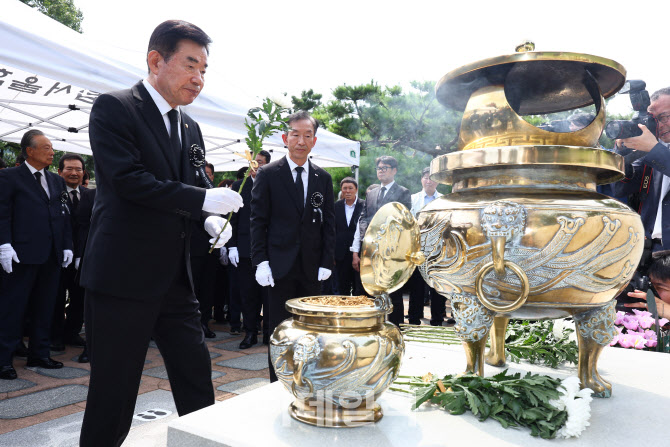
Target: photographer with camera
point(658, 282)
point(647, 165)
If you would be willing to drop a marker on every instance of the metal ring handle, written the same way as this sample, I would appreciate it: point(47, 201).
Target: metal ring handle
point(525, 288)
point(300, 380)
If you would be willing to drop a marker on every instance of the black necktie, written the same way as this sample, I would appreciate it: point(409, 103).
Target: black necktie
point(300, 187)
point(38, 177)
point(75, 200)
point(382, 194)
point(175, 141)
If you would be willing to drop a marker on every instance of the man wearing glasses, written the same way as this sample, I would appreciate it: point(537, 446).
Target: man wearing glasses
point(651, 173)
point(390, 191)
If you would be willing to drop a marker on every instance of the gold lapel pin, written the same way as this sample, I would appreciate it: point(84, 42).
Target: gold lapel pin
point(186, 125)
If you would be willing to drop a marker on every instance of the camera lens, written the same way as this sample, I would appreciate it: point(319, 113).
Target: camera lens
point(622, 129)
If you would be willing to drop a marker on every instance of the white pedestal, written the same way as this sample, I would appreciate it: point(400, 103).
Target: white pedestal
point(636, 414)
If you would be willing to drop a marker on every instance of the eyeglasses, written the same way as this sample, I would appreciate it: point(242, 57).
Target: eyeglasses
point(383, 168)
point(663, 118)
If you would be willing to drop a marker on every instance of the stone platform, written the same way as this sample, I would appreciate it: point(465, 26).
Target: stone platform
point(635, 414)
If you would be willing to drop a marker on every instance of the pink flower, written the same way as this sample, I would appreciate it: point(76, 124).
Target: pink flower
point(630, 322)
point(639, 342)
point(626, 340)
point(663, 321)
point(644, 319)
point(641, 313)
point(619, 318)
point(616, 338)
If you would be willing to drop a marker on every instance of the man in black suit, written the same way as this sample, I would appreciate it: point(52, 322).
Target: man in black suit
point(347, 212)
point(292, 222)
point(251, 295)
point(390, 191)
point(136, 268)
point(67, 322)
point(35, 242)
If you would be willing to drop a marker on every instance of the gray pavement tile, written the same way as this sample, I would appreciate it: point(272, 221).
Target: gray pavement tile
point(242, 386)
point(213, 355)
point(221, 335)
point(64, 431)
point(7, 386)
point(251, 362)
point(66, 372)
point(161, 373)
point(235, 345)
point(41, 401)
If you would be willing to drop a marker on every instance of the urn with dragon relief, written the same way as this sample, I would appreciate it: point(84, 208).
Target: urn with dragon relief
point(338, 354)
point(524, 234)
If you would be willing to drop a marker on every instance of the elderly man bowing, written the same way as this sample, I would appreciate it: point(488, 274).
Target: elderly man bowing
point(136, 266)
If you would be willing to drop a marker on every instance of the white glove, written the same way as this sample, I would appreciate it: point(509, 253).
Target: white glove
point(67, 258)
point(264, 274)
point(77, 261)
point(223, 256)
point(7, 254)
point(324, 274)
point(233, 256)
point(213, 225)
point(222, 201)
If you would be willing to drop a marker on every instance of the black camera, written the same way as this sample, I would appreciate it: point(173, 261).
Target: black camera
point(638, 282)
point(639, 99)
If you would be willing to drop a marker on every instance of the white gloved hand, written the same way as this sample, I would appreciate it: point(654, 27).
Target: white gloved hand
point(67, 258)
point(324, 274)
point(213, 225)
point(223, 256)
point(233, 256)
point(77, 262)
point(222, 201)
point(7, 255)
point(264, 274)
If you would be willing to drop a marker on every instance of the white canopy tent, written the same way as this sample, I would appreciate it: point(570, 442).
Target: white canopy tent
point(50, 75)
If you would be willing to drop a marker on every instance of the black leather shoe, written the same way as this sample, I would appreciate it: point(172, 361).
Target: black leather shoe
point(46, 363)
point(21, 350)
point(7, 372)
point(249, 340)
point(76, 341)
point(451, 321)
point(235, 331)
point(208, 332)
point(83, 357)
point(266, 339)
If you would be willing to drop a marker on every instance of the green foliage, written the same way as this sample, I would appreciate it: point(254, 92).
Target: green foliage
point(308, 100)
point(535, 342)
point(510, 399)
point(63, 11)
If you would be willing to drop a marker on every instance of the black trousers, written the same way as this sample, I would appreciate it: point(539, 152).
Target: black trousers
point(30, 290)
point(203, 270)
point(252, 297)
point(417, 294)
point(68, 320)
point(397, 315)
point(118, 331)
point(294, 285)
point(346, 275)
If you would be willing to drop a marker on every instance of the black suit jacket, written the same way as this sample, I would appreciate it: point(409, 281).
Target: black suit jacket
point(344, 233)
point(29, 220)
point(80, 219)
point(145, 205)
point(279, 232)
point(397, 193)
point(241, 220)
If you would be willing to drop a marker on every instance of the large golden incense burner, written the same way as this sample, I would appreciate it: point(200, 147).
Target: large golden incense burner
point(524, 233)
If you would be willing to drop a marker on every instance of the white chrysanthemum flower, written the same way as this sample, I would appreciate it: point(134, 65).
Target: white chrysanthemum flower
point(578, 405)
point(562, 325)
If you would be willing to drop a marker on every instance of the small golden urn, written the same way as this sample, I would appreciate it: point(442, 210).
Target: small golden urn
point(337, 354)
point(524, 233)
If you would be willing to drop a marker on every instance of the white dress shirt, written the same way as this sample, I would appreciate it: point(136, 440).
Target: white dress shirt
point(163, 107)
point(349, 210)
point(657, 233)
point(305, 175)
point(43, 179)
point(421, 199)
